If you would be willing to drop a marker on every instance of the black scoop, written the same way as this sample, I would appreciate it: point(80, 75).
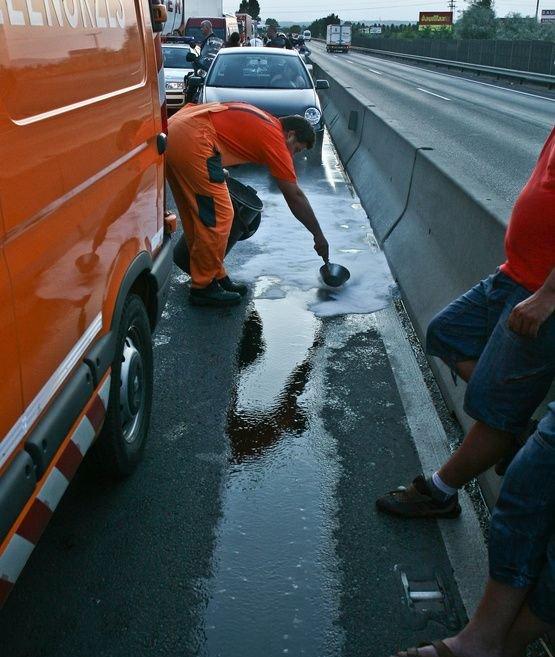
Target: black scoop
point(334, 275)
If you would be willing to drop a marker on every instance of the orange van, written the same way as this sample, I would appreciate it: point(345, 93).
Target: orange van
point(85, 254)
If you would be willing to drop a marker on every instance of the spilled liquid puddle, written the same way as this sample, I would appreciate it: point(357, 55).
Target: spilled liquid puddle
point(273, 590)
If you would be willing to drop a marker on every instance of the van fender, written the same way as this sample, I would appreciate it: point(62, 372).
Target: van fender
point(101, 354)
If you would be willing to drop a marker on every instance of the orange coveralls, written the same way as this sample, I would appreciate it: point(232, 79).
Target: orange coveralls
point(199, 146)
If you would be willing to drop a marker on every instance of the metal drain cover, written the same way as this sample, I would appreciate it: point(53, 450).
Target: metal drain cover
point(428, 595)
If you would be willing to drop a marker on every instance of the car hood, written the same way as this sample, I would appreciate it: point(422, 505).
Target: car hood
point(279, 102)
point(176, 73)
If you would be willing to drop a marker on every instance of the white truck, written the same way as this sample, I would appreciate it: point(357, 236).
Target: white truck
point(180, 10)
point(338, 38)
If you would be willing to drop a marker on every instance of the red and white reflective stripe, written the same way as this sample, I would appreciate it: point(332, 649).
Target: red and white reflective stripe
point(31, 527)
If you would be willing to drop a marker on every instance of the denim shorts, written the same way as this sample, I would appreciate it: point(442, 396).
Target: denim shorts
point(522, 536)
point(513, 373)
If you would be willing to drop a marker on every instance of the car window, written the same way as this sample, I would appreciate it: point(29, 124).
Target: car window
point(242, 70)
point(176, 57)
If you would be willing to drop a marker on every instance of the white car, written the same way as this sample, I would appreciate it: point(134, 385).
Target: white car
point(176, 67)
point(274, 79)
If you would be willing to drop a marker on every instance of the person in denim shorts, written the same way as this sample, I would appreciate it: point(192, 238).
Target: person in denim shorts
point(500, 338)
point(518, 605)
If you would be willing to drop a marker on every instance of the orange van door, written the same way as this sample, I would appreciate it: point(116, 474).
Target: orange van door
point(81, 179)
point(11, 407)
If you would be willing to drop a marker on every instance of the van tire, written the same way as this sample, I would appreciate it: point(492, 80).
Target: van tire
point(120, 445)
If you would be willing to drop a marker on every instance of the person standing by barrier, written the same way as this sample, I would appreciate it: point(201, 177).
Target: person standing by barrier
point(202, 140)
point(518, 605)
point(209, 46)
point(277, 39)
point(500, 338)
point(234, 40)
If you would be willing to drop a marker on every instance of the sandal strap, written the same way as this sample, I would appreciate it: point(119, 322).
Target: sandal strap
point(443, 649)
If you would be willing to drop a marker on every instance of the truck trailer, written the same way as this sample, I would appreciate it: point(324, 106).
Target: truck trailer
point(338, 38)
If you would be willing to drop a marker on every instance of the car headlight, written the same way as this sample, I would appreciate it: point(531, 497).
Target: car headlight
point(313, 115)
point(174, 85)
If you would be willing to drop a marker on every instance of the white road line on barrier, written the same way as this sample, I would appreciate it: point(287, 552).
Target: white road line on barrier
point(432, 93)
point(463, 538)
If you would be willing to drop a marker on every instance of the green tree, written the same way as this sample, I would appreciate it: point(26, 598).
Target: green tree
point(477, 22)
point(524, 28)
point(295, 29)
point(250, 7)
point(319, 26)
point(271, 21)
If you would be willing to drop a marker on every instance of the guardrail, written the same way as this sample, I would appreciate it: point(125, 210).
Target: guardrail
point(538, 78)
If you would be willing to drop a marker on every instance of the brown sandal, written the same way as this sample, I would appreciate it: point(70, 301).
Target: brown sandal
point(440, 647)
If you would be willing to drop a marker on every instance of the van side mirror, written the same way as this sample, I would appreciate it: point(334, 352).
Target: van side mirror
point(191, 57)
point(322, 84)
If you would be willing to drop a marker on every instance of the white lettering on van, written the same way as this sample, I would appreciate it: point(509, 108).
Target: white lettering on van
point(35, 17)
point(72, 16)
point(112, 22)
point(57, 4)
point(14, 15)
point(86, 9)
point(100, 20)
point(120, 14)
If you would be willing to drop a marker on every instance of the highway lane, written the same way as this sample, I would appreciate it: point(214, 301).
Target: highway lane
point(490, 135)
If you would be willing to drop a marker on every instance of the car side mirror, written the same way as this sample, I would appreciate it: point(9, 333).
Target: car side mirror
point(191, 57)
point(322, 84)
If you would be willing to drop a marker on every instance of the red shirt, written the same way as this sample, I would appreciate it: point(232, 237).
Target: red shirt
point(248, 134)
point(530, 237)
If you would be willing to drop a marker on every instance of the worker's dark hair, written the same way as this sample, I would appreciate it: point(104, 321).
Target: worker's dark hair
point(304, 132)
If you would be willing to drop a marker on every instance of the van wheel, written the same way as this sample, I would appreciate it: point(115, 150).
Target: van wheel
point(121, 443)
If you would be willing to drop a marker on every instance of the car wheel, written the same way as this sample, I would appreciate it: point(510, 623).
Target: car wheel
point(121, 443)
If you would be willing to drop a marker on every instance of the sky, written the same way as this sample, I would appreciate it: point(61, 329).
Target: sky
point(308, 10)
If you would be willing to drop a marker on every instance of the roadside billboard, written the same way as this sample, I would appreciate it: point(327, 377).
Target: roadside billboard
point(547, 16)
point(435, 20)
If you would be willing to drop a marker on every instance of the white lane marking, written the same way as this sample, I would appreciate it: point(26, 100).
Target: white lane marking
point(463, 539)
point(432, 93)
point(456, 77)
point(366, 67)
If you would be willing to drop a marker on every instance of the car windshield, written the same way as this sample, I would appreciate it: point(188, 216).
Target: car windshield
point(245, 71)
point(176, 57)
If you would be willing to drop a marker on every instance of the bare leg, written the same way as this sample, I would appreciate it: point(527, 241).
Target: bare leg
point(488, 631)
point(525, 629)
point(465, 369)
point(481, 448)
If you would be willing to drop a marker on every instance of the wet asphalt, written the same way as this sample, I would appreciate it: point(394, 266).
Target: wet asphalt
point(249, 529)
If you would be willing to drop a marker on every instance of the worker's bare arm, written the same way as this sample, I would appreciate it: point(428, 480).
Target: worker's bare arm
point(302, 210)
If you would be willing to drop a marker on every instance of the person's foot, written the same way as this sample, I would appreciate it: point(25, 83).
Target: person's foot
point(213, 295)
point(229, 286)
point(417, 501)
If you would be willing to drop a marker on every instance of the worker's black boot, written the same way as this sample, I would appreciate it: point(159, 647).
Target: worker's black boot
point(213, 295)
point(229, 286)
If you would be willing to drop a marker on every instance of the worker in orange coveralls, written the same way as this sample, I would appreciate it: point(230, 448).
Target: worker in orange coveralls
point(202, 140)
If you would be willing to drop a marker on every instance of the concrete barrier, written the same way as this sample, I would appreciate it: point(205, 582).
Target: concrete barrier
point(343, 112)
point(441, 235)
point(378, 156)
